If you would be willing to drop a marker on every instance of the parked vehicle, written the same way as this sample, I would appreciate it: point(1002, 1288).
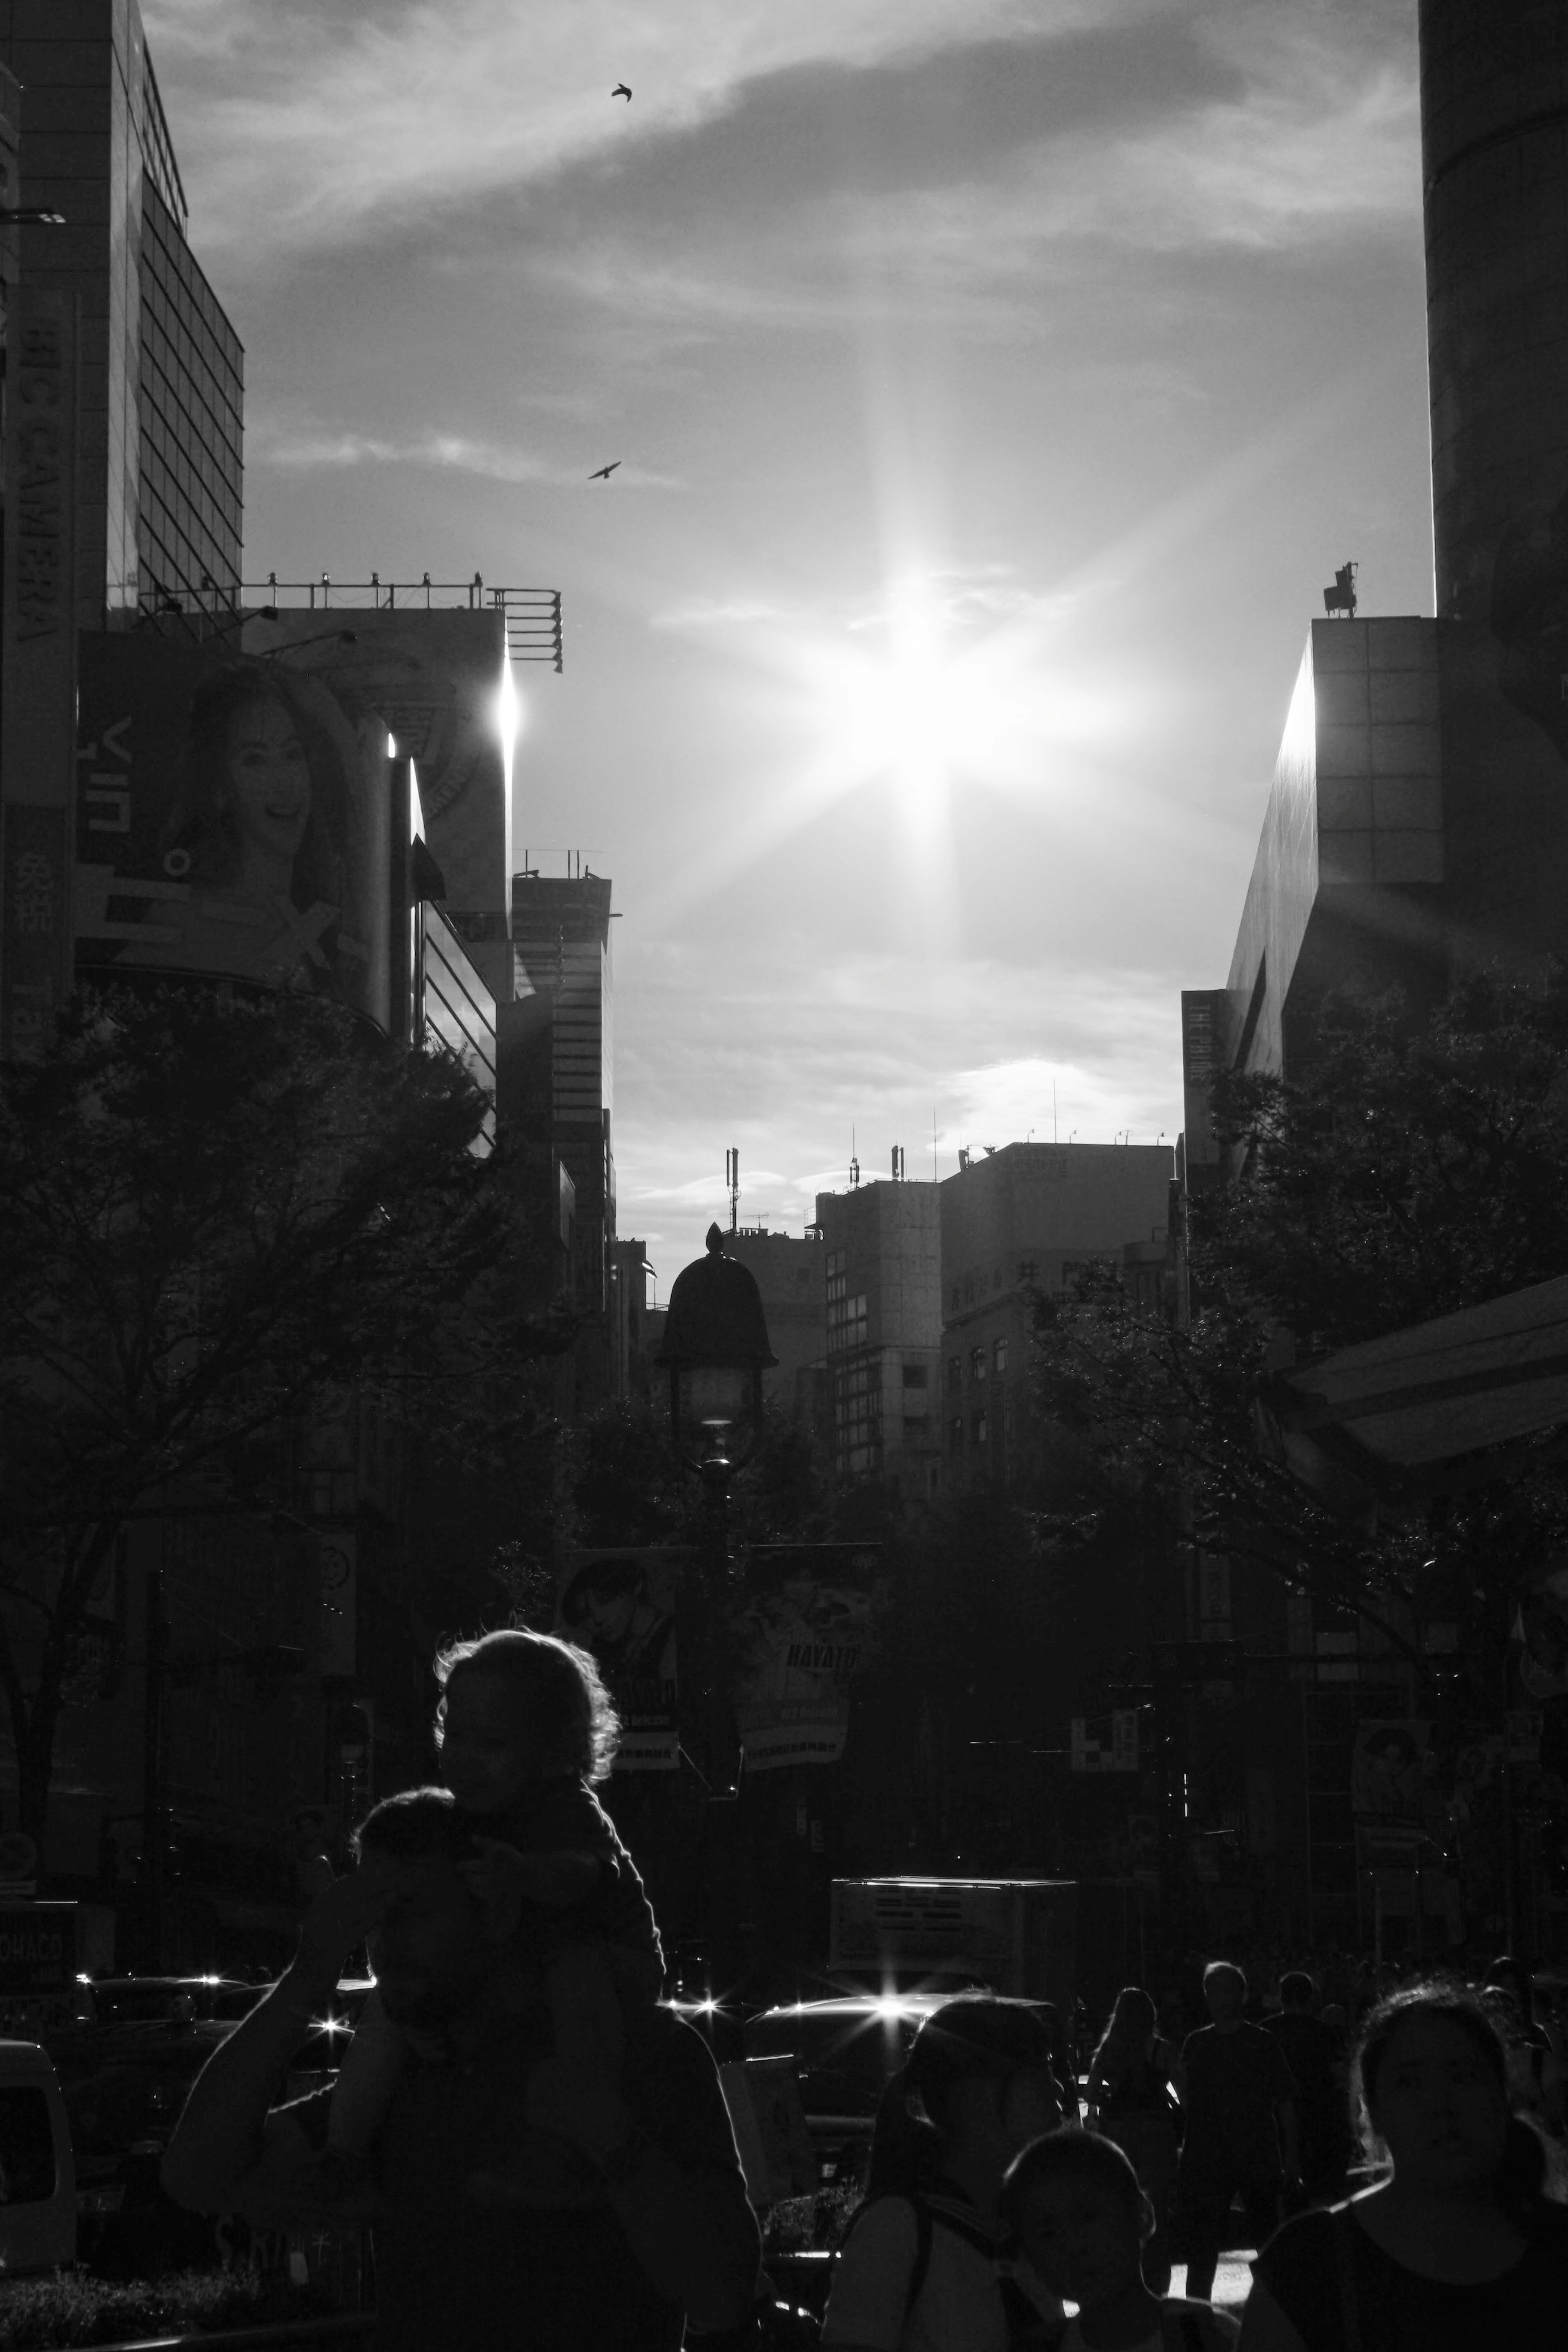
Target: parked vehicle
point(37, 2171)
point(845, 2051)
point(1017, 1936)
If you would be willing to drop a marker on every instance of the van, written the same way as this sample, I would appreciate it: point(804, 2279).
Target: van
point(38, 2175)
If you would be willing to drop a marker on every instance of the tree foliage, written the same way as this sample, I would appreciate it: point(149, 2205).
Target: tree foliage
point(1411, 1171)
point(214, 1206)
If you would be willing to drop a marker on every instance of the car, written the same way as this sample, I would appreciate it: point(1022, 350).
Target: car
point(164, 2000)
point(38, 2173)
point(847, 2049)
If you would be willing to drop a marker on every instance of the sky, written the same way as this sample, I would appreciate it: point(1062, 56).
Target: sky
point(996, 386)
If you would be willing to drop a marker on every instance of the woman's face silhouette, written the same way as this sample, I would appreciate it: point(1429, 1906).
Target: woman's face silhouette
point(268, 779)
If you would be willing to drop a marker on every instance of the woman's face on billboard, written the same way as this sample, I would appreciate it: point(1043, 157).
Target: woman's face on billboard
point(268, 779)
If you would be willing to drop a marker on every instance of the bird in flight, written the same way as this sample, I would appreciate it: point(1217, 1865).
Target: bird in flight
point(623, 89)
point(605, 471)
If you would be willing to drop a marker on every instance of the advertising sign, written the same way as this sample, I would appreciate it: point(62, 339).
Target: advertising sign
point(1387, 1770)
point(38, 653)
point(1105, 1743)
point(804, 1631)
point(436, 679)
point(234, 817)
point(619, 1606)
point(38, 1948)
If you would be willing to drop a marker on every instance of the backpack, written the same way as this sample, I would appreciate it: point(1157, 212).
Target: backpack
point(931, 2207)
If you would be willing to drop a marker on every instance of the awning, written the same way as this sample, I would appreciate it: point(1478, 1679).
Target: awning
point(1405, 1414)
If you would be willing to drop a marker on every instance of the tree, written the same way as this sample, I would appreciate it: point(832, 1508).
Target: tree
point(215, 1206)
point(1410, 1171)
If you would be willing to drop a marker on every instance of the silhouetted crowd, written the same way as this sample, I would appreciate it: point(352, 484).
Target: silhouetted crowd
point(547, 2158)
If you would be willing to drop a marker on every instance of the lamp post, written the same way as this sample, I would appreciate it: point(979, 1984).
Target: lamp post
point(715, 1352)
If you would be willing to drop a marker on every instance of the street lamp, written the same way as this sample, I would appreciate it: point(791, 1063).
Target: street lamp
point(715, 1352)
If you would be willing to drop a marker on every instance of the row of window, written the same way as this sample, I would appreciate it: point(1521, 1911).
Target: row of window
point(981, 1365)
point(974, 1286)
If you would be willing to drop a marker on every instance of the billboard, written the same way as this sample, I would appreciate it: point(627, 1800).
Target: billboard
point(234, 818)
point(802, 1634)
point(440, 680)
point(619, 1606)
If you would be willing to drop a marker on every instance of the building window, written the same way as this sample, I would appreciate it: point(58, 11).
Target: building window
point(956, 1433)
point(915, 1376)
point(955, 1299)
point(978, 1428)
point(1029, 1270)
point(977, 1363)
point(954, 1371)
point(857, 1417)
point(1000, 1357)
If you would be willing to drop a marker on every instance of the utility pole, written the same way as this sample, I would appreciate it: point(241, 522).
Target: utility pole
point(152, 1839)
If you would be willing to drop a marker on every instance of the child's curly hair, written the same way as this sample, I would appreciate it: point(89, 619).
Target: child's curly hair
point(567, 1704)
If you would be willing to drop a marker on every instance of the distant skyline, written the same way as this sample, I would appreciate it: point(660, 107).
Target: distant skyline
point(995, 385)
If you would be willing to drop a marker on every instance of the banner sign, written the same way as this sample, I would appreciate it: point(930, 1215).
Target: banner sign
point(1387, 1770)
point(38, 1948)
point(619, 1606)
point(803, 1632)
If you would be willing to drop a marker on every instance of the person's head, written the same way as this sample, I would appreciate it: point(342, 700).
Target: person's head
point(1430, 2079)
point(516, 1709)
point(245, 789)
point(978, 2081)
point(1512, 1978)
point(1224, 1992)
point(1295, 1990)
point(437, 1944)
point(1073, 2202)
point(1132, 2024)
point(602, 1599)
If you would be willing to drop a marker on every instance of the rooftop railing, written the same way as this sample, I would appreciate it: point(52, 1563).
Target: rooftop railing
point(532, 616)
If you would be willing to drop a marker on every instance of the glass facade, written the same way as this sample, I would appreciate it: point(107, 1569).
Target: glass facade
point(459, 1010)
point(158, 462)
point(189, 513)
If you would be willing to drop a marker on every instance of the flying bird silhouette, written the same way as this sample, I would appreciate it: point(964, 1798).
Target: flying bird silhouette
point(605, 471)
point(622, 89)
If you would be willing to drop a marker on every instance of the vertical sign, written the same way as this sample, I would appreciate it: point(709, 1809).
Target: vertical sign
point(38, 651)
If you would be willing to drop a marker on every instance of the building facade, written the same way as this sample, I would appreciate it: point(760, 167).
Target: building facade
point(789, 1274)
point(1015, 1223)
point(881, 1265)
point(1417, 821)
point(160, 433)
point(561, 1024)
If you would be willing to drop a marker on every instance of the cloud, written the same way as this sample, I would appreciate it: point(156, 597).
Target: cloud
point(336, 119)
point(799, 1051)
point(307, 449)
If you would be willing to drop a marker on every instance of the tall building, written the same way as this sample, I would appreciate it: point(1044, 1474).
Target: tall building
point(882, 1263)
point(1018, 1221)
point(561, 1020)
point(1418, 816)
point(790, 1275)
point(160, 470)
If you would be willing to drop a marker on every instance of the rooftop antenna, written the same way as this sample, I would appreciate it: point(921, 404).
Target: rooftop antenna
point(898, 1163)
point(1053, 1134)
point(854, 1163)
point(1341, 597)
point(732, 1182)
point(933, 1143)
